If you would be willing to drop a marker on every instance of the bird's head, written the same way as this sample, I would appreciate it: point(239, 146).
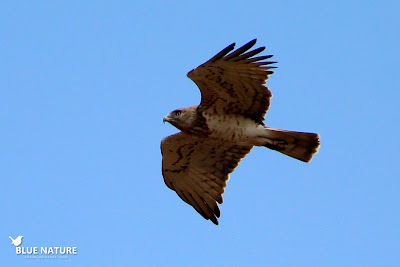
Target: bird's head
point(182, 118)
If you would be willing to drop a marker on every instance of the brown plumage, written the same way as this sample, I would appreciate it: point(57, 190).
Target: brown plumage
point(219, 132)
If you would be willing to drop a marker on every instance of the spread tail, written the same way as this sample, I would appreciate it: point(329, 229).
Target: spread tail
point(298, 145)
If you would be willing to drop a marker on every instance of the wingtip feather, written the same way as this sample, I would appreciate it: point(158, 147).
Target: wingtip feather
point(242, 49)
point(223, 52)
point(214, 220)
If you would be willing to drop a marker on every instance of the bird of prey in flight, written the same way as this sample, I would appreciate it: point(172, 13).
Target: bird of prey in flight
point(215, 135)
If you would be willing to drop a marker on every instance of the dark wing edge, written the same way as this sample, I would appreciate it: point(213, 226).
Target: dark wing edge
point(198, 170)
point(239, 56)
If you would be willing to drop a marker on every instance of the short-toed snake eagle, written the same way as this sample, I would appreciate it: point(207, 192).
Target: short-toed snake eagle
point(219, 132)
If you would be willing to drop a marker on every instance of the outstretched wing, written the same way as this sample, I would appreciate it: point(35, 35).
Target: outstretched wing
point(198, 168)
point(234, 83)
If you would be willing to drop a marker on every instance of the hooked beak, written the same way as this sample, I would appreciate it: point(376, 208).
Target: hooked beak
point(166, 119)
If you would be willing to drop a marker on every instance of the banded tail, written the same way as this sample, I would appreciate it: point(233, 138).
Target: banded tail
point(298, 145)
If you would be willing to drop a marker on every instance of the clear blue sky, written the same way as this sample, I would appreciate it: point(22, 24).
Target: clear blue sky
point(84, 86)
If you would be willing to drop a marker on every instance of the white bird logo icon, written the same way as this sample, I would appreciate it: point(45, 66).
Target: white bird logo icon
point(17, 241)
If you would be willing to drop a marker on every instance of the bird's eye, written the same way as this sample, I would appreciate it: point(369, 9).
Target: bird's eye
point(178, 113)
